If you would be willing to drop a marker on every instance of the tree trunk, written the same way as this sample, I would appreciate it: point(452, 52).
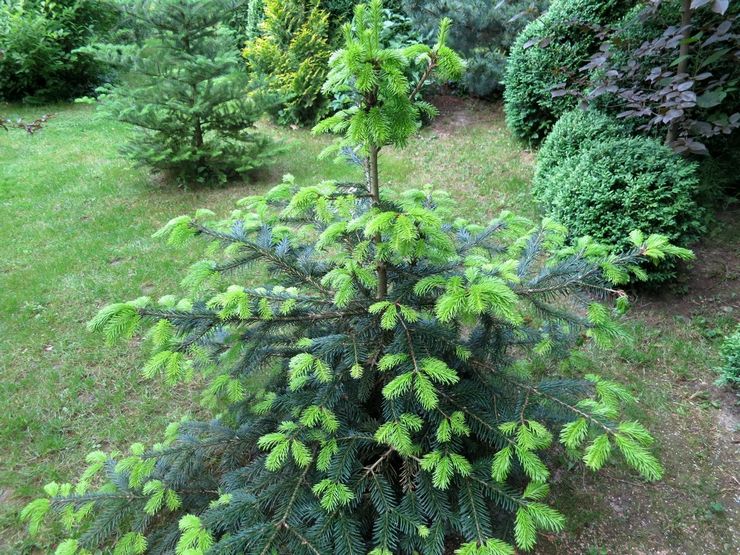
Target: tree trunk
point(198, 138)
point(382, 292)
point(683, 59)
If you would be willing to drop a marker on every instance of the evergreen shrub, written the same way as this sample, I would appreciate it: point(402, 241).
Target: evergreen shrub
point(615, 185)
point(575, 130)
point(39, 42)
point(290, 57)
point(390, 390)
point(184, 91)
point(544, 54)
point(244, 19)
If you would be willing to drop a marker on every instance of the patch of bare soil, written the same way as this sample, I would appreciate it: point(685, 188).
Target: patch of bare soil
point(456, 113)
point(710, 284)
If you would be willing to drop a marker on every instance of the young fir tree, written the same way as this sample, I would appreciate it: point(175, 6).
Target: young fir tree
point(185, 93)
point(408, 399)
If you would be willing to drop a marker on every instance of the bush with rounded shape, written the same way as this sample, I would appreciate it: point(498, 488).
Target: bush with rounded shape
point(615, 186)
point(730, 353)
point(574, 131)
point(545, 52)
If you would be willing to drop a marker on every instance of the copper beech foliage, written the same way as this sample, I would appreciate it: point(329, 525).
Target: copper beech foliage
point(671, 67)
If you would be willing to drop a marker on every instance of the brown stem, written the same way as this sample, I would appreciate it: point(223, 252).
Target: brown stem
point(375, 194)
point(198, 138)
point(683, 60)
point(198, 131)
point(423, 79)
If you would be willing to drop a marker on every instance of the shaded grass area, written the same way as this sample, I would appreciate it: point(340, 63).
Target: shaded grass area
point(76, 222)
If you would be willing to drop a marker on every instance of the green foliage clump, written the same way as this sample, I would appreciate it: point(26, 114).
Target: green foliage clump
point(390, 420)
point(39, 61)
point(290, 58)
point(729, 372)
point(483, 33)
point(616, 185)
point(545, 54)
point(185, 93)
point(245, 20)
point(574, 131)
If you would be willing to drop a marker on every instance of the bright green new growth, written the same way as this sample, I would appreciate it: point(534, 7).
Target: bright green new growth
point(393, 423)
point(387, 112)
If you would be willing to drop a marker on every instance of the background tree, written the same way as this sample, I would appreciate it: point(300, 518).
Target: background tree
point(671, 70)
point(402, 417)
point(245, 18)
point(549, 49)
point(290, 57)
point(483, 32)
point(185, 93)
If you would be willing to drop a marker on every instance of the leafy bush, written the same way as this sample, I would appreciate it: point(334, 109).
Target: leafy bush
point(730, 353)
point(483, 33)
point(544, 54)
point(671, 81)
point(39, 39)
point(289, 59)
point(185, 93)
point(408, 401)
point(613, 186)
point(574, 131)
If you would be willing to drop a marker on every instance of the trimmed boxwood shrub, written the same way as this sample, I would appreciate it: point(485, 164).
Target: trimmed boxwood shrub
point(574, 131)
point(545, 52)
point(617, 185)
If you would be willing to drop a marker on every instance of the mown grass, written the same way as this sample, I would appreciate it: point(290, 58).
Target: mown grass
point(76, 222)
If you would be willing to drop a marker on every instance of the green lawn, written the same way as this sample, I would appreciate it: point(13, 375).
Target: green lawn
point(76, 223)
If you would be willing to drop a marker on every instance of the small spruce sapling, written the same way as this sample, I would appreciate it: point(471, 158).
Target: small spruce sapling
point(185, 93)
point(407, 396)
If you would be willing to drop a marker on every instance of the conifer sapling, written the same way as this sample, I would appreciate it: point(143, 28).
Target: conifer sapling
point(391, 389)
point(185, 93)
